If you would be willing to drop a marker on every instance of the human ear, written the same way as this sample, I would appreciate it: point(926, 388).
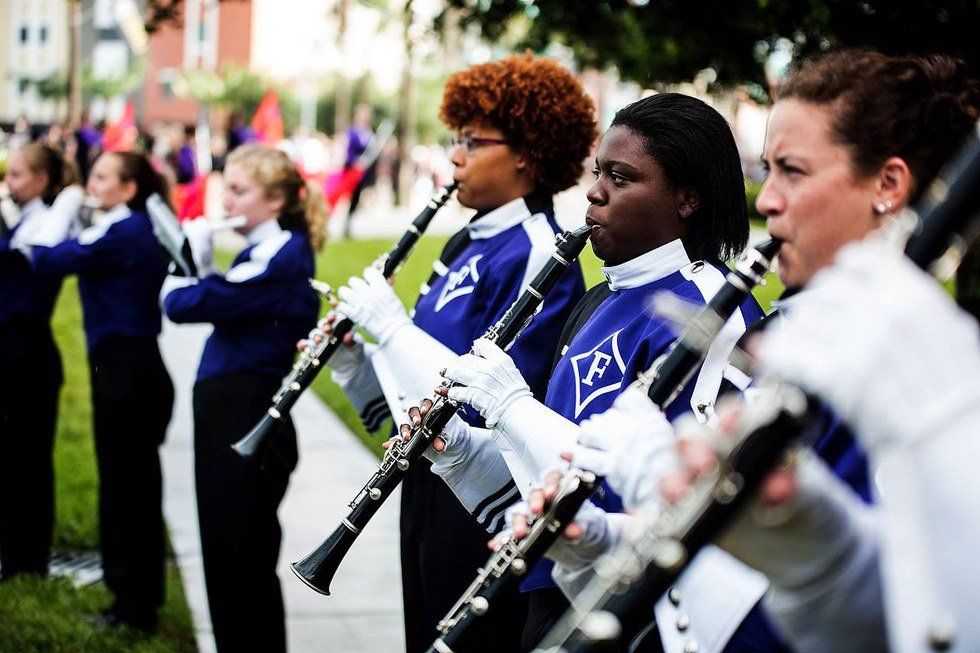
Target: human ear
point(689, 202)
point(894, 185)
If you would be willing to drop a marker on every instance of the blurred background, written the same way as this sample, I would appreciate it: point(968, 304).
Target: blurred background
point(351, 90)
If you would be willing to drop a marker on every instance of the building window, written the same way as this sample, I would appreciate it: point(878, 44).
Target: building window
point(43, 34)
point(23, 34)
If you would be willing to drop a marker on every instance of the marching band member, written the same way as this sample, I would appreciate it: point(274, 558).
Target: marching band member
point(120, 269)
point(259, 309)
point(852, 138)
point(523, 127)
point(30, 360)
point(668, 207)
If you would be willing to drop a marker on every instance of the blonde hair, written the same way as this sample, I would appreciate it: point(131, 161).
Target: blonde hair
point(278, 176)
point(44, 159)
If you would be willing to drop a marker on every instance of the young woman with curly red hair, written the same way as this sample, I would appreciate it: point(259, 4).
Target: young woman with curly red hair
point(523, 127)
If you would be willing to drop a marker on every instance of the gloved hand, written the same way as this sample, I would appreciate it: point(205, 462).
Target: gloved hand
point(584, 540)
point(489, 380)
point(53, 225)
point(882, 343)
point(445, 448)
point(348, 358)
point(198, 233)
point(373, 305)
point(631, 444)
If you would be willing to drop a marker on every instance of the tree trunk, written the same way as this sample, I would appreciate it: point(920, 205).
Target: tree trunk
point(342, 94)
point(75, 63)
point(406, 113)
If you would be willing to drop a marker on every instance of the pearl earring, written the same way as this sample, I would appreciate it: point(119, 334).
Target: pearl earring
point(880, 208)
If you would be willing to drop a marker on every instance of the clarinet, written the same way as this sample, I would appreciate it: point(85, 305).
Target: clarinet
point(634, 576)
point(663, 382)
point(318, 568)
point(320, 346)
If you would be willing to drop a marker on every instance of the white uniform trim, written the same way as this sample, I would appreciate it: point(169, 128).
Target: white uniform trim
point(709, 281)
point(542, 239)
point(499, 220)
point(101, 227)
point(262, 254)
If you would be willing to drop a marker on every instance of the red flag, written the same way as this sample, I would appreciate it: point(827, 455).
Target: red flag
point(267, 121)
point(120, 136)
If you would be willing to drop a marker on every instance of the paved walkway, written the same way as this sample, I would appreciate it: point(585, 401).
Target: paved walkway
point(364, 612)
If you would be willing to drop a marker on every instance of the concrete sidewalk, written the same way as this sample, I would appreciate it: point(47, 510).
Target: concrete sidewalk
point(364, 611)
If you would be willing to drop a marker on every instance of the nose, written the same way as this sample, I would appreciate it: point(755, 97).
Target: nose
point(769, 203)
point(458, 156)
point(596, 194)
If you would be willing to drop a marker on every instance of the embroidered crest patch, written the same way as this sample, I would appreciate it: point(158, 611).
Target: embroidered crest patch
point(459, 282)
point(598, 372)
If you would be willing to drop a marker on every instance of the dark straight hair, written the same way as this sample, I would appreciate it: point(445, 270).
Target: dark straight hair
point(137, 168)
point(695, 147)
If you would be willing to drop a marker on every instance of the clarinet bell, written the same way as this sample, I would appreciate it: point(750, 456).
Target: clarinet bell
point(257, 442)
point(318, 568)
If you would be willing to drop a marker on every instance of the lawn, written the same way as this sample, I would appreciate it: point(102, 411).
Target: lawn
point(340, 260)
point(49, 615)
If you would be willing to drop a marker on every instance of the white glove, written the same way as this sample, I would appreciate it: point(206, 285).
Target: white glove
point(373, 305)
point(882, 343)
point(631, 444)
point(489, 380)
point(198, 233)
point(576, 557)
point(52, 226)
point(346, 360)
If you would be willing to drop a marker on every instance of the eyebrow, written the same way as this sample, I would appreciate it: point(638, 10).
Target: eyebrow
point(613, 162)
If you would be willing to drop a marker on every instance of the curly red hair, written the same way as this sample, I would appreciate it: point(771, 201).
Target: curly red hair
point(541, 108)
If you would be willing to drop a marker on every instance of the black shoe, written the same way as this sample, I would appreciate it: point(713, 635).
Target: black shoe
point(113, 618)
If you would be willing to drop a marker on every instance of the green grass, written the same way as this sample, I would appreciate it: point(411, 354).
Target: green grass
point(49, 615)
point(340, 260)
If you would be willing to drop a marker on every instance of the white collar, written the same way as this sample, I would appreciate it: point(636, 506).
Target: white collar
point(500, 219)
point(32, 207)
point(786, 305)
point(118, 213)
point(647, 268)
point(265, 230)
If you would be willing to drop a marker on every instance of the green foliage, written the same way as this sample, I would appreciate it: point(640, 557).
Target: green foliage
point(108, 87)
point(233, 87)
point(672, 40)
point(50, 615)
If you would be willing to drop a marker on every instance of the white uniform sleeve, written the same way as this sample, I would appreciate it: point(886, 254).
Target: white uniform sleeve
point(821, 557)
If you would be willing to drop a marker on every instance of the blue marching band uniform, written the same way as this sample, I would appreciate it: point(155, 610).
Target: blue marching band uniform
point(480, 273)
point(120, 268)
point(259, 309)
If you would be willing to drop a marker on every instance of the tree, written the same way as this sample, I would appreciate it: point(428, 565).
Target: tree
point(667, 41)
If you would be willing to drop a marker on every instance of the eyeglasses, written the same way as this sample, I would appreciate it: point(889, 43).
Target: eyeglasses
point(471, 143)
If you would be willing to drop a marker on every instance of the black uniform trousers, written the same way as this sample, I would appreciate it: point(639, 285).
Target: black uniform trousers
point(132, 400)
point(442, 547)
point(30, 379)
point(237, 503)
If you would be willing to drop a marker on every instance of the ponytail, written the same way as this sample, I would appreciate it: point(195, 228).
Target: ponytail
point(303, 206)
point(44, 159)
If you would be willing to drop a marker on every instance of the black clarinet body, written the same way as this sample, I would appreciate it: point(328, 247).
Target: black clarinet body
point(946, 216)
point(664, 381)
point(318, 568)
point(668, 376)
point(506, 568)
point(257, 442)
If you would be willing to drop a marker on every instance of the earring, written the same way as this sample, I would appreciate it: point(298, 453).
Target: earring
point(880, 208)
point(889, 205)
